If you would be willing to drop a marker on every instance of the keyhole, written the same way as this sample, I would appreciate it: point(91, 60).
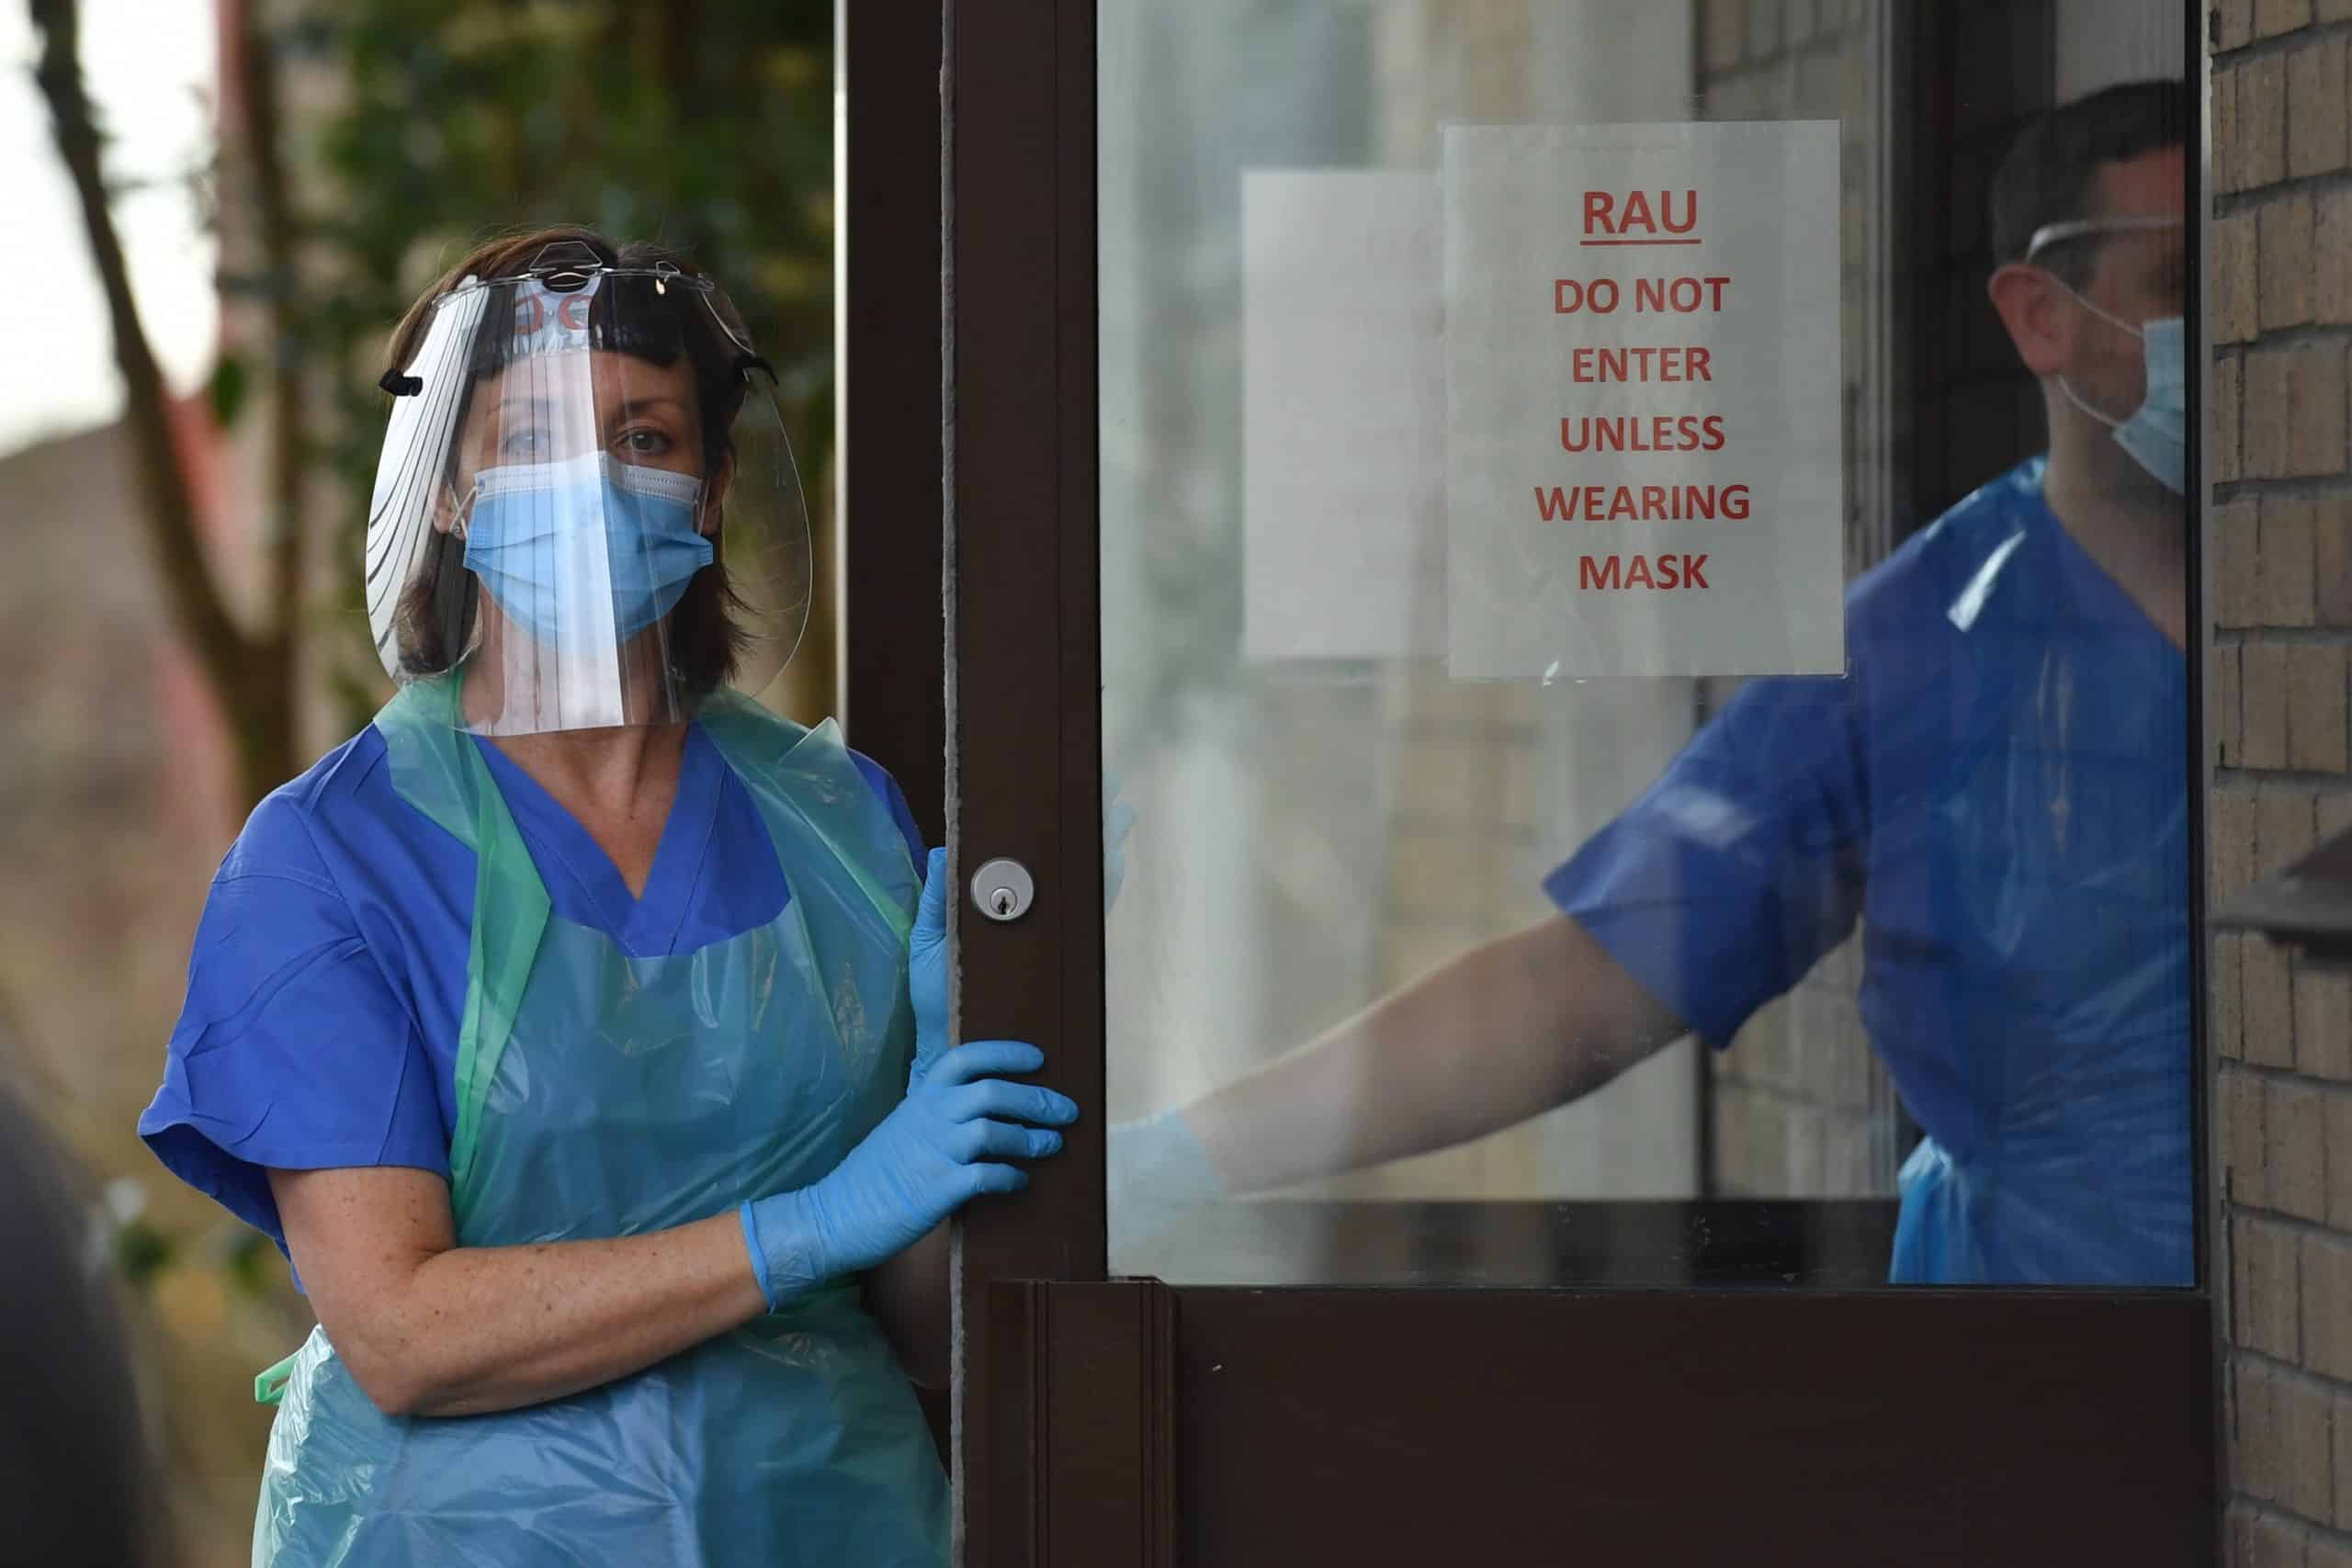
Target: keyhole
point(1002, 900)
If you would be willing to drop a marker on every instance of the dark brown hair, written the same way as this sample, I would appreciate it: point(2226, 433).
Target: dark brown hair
point(435, 617)
point(2049, 174)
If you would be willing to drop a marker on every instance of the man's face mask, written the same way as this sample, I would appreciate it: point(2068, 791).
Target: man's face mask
point(2155, 433)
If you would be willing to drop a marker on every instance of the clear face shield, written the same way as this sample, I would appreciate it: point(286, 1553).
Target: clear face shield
point(587, 509)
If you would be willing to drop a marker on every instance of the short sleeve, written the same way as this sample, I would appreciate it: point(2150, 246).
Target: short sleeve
point(1734, 873)
point(292, 1051)
point(892, 796)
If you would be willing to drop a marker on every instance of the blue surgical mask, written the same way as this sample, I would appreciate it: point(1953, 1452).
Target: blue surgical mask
point(530, 537)
point(2157, 433)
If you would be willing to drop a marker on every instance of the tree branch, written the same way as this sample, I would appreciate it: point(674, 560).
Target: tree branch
point(170, 511)
point(264, 125)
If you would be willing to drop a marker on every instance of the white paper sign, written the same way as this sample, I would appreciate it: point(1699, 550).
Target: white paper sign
point(1343, 415)
point(1643, 465)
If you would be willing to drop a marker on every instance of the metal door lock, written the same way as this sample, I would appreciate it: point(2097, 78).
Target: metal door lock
point(1002, 890)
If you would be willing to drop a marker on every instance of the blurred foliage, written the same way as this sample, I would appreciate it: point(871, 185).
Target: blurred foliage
point(705, 125)
point(141, 1251)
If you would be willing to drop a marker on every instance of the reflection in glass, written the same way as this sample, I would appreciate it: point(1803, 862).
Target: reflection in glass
point(1824, 980)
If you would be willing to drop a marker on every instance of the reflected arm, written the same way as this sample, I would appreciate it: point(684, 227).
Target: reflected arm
point(1503, 1032)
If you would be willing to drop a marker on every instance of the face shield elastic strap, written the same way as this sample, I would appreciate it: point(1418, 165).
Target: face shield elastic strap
point(2051, 234)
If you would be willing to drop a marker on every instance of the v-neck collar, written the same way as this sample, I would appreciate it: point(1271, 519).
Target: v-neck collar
point(646, 925)
point(2099, 594)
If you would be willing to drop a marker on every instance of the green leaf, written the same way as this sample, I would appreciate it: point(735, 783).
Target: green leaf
point(230, 385)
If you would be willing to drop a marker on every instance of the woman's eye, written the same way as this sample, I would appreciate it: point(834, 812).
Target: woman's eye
point(645, 443)
point(525, 443)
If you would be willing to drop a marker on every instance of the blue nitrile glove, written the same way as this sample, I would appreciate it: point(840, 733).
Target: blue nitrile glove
point(946, 1142)
point(1156, 1164)
point(927, 964)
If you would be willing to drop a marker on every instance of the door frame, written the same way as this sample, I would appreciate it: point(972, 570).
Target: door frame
point(1109, 1422)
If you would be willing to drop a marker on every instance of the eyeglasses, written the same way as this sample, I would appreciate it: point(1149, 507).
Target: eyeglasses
point(2051, 234)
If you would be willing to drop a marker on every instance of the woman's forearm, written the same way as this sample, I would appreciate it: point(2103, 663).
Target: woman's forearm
point(428, 1327)
point(1504, 1032)
point(494, 1328)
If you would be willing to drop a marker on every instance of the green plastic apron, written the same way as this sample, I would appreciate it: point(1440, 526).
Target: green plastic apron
point(601, 1095)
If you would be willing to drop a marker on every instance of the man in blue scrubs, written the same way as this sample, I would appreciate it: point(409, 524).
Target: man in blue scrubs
point(1997, 794)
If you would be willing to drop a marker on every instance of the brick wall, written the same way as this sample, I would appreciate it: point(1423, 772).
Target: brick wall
point(2277, 535)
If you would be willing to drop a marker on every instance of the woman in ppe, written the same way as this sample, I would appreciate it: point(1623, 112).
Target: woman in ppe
point(579, 1028)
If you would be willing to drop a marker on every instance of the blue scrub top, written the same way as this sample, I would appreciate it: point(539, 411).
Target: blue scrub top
point(1999, 793)
point(328, 981)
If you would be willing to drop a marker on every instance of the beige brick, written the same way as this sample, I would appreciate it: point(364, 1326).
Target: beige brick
point(2294, 412)
point(2306, 1413)
point(2288, 527)
point(2261, 122)
point(2324, 1022)
point(1797, 22)
point(1770, 1061)
point(1733, 1154)
point(2286, 827)
point(2254, 1434)
point(2268, 400)
point(2285, 246)
point(2243, 1150)
point(2316, 711)
point(2294, 1132)
point(2234, 289)
point(2331, 242)
point(2262, 697)
point(2316, 118)
point(2229, 840)
point(2332, 11)
point(2282, 1444)
point(2270, 1542)
point(1763, 29)
point(1726, 25)
point(2272, 17)
point(2327, 1308)
point(2225, 730)
point(2263, 1286)
point(2316, 381)
point(2339, 1172)
point(2331, 566)
point(2269, 991)
point(2236, 28)
point(2236, 531)
point(2226, 979)
point(2229, 148)
point(2225, 449)
point(2344, 1462)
